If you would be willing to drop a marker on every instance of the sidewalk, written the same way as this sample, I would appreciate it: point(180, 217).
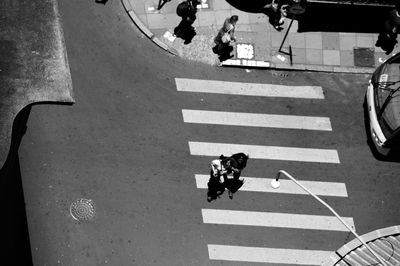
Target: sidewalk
point(257, 41)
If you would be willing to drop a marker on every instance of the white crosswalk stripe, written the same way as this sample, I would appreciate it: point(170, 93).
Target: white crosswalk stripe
point(257, 120)
point(271, 219)
point(257, 184)
point(267, 255)
point(265, 152)
point(248, 89)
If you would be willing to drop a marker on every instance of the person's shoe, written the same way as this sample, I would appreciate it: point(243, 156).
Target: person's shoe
point(230, 194)
point(209, 198)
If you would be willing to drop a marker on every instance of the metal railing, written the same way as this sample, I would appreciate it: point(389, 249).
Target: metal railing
point(275, 184)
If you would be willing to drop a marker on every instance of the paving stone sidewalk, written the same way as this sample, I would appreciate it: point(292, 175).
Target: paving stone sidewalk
point(257, 42)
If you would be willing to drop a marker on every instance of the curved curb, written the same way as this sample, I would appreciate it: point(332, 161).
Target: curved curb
point(296, 67)
point(144, 29)
point(241, 62)
point(355, 243)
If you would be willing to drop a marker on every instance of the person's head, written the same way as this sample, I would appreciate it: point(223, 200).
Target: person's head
point(234, 19)
point(231, 164)
point(242, 160)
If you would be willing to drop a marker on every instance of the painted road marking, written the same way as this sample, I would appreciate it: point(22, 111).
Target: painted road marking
point(249, 89)
point(272, 219)
point(267, 255)
point(265, 152)
point(257, 184)
point(257, 120)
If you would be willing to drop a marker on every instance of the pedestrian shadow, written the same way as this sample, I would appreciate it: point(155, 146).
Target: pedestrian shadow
point(216, 190)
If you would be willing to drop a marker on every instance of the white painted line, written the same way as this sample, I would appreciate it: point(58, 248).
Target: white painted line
point(265, 152)
point(271, 219)
point(256, 184)
point(267, 255)
point(249, 89)
point(257, 120)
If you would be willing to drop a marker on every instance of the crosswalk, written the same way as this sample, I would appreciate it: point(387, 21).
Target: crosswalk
point(256, 120)
point(318, 155)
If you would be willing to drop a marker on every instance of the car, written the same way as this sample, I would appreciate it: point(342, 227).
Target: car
point(383, 105)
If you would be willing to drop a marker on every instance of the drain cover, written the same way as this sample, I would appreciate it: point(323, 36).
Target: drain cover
point(364, 57)
point(82, 209)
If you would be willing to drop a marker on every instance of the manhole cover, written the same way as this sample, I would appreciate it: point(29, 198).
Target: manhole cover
point(82, 209)
point(364, 57)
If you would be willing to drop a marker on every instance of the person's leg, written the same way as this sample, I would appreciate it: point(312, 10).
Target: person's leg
point(212, 187)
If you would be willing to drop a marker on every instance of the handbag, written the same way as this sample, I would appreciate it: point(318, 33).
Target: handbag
point(226, 37)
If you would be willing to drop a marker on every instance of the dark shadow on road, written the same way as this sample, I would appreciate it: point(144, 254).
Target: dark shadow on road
point(342, 18)
point(15, 235)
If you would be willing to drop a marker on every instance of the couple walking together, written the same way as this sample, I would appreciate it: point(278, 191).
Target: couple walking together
point(220, 181)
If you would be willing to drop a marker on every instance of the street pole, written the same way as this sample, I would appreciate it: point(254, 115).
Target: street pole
point(275, 184)
point(161, 3)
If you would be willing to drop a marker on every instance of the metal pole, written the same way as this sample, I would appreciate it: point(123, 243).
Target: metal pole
point(332, 210)
point(161, 3)
point(287, 31)
point(290, 47)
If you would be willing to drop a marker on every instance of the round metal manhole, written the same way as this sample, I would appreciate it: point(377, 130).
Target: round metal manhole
point(82, 209)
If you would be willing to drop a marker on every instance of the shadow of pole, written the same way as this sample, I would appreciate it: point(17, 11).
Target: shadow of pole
point(15, 235)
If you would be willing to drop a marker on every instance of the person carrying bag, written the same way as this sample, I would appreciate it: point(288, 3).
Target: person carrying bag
point(224, 37)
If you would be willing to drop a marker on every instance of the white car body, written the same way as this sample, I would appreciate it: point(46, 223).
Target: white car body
point(375, 129)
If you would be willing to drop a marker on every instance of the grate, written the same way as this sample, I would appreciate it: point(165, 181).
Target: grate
point(82, 209)
point(364, 57)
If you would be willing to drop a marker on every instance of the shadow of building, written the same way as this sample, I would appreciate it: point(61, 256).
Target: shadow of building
point(15, 234)
point(343, 18)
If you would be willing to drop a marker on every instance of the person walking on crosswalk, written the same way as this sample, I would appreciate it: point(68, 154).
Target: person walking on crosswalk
point(220, 169)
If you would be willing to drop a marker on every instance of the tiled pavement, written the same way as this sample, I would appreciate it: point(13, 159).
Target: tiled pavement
point(257, 42)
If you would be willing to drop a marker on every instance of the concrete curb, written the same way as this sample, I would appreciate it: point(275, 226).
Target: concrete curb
point(355, 243)
point(301, 67)
point(128, 8)
point(243, 63)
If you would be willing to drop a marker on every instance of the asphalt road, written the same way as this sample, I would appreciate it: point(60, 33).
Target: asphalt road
point(124, 145)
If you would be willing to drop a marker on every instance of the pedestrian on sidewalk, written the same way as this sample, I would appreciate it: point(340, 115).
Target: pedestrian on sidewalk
point(387, 38)
point(187, 10)
point(225, 36)
point(276, 12)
